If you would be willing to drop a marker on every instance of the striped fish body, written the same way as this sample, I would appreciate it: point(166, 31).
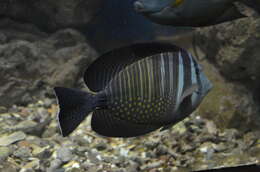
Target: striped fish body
point(149, 91)
point(138, 89)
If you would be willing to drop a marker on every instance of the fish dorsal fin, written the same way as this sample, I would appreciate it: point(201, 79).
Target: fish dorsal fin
point(102, 70)
point(189, 91)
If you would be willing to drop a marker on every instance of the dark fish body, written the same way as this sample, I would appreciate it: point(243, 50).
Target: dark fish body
point(193, 13)
point(148, 88)
point(139, 89)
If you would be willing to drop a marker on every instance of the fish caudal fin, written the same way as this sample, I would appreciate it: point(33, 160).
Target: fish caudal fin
point(254, 4)
point(74, 106)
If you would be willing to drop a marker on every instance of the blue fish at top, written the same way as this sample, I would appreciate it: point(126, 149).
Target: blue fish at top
point(135, 90)
point(192, 13)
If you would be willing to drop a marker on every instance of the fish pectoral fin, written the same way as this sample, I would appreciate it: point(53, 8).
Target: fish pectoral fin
point(189, 91)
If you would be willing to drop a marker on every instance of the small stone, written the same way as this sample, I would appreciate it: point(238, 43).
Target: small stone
point(93, 156)
point(151, 144)
point(123, 152)
point(47, 102)
point(101, 146)
point(220, 147)
point(40, 152)
point(133, 167)
point(49, 132)
point(231, 134)
point(4, 153)
point(25, 126)
point(55, 164)
point(152, 165)
point(211, 127)
point(72, 164)
point(7, 140)
point(161, 150)
point(64, 154)
point(24, 143)
point(35, 164)
point(23, 153)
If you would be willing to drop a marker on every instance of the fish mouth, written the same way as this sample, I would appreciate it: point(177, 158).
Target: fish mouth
point(140, 8)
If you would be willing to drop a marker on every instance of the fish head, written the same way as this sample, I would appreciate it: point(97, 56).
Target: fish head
point(160, 11)
point(205, 85)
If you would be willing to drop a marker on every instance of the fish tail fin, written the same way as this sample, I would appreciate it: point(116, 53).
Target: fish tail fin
point(74, 106)
point(254, 4)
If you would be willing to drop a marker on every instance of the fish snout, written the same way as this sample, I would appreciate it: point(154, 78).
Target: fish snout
point(139, 6)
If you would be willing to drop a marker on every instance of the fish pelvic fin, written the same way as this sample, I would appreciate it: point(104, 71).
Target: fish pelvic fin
point(74, 106)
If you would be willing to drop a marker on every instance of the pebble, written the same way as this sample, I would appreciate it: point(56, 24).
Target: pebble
point(101, 146)
point(55, 164)
point(4, 153)
point(195, 142)
point(12, 138)
point(23, 153)
point(64, 154)
point(211, 127)
point(34, 164)
point(152, 165)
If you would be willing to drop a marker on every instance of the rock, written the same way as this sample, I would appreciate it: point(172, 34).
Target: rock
point(34, 164)
point(50, 15)
point(8, 167)
point(93, 156)
point(23, 153)
point(235, 54)
point(231, 134)
point(28, 69)
point(4, 153)
point(54, 166)
point(14, 137)
point(152, 165)
point(101, 146)
point(211, 127)
point(64, 154)
point(25, 126)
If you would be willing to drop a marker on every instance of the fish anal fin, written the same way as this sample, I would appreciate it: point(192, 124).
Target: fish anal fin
point(106, 124)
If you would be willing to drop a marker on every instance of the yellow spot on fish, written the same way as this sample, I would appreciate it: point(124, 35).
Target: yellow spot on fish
point(176, 3)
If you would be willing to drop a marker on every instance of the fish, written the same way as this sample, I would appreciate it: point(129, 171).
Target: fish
point(134, 90)
point(190, 13)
